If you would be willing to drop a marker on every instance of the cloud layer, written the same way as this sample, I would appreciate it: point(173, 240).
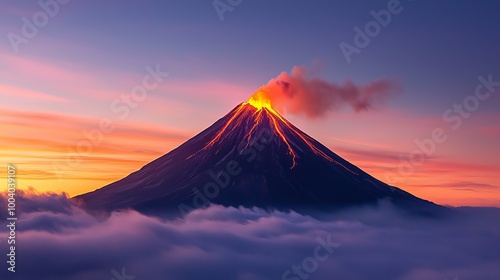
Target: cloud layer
point(59, 241)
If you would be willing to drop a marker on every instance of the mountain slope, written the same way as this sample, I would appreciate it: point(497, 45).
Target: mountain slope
point(250, 157)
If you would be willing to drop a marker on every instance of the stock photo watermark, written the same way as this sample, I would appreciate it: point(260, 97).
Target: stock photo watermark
point(122, 108)
point(12, 218)
point(363, 37)
point(223, 6)
point(310, 264)
point(454, 117)
point(231, 170)
point(121, 276)
point(31, 27)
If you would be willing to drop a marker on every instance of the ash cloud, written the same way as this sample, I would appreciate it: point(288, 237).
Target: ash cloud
point(300, 92)
point(251, 244)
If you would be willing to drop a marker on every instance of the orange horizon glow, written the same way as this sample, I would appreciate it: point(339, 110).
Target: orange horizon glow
point(35, 140)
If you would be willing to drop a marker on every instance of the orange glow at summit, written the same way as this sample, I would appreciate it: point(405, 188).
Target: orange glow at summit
point(259, 100)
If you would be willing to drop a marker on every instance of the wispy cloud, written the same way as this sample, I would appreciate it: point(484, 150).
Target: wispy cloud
point(37, 140)
point(24, 93)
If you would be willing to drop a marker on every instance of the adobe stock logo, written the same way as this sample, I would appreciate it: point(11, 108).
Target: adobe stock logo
point(122, 107)
point(310, 264)
point(362, 38)
point(232, 168)
point(121, 276)
point(454, 117)
point(221, 7)
point(30, 28)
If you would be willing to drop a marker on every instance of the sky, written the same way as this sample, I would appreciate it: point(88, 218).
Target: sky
point(70, 121)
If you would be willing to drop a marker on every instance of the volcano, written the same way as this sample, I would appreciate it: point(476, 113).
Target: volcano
point(252, 157)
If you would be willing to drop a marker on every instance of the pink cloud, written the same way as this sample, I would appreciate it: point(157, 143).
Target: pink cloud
point(30, 94)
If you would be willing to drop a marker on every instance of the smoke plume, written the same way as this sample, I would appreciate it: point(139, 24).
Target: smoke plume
point(301, 93)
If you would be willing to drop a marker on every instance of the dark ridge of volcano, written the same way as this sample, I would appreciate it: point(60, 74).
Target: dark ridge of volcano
point(253, 158)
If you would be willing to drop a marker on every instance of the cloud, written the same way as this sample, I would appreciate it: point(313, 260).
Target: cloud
point(41, 143)
point(30, 94)
point(301, 93)
point(60, 241)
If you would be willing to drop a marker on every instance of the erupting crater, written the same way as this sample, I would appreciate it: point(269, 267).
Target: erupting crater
point(251, 157)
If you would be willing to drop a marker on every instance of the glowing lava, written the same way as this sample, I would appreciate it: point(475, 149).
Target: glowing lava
point(264, 110)
point(260, 101)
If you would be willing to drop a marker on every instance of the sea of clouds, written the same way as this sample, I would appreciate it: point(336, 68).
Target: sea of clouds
point(57, 240)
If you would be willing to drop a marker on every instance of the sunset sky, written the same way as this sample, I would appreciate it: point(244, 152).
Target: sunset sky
point(69, 79)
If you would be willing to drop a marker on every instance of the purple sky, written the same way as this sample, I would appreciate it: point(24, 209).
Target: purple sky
point(65, 76)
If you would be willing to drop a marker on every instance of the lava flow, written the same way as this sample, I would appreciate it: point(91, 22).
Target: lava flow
point(260, 101)
point(261, 108)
